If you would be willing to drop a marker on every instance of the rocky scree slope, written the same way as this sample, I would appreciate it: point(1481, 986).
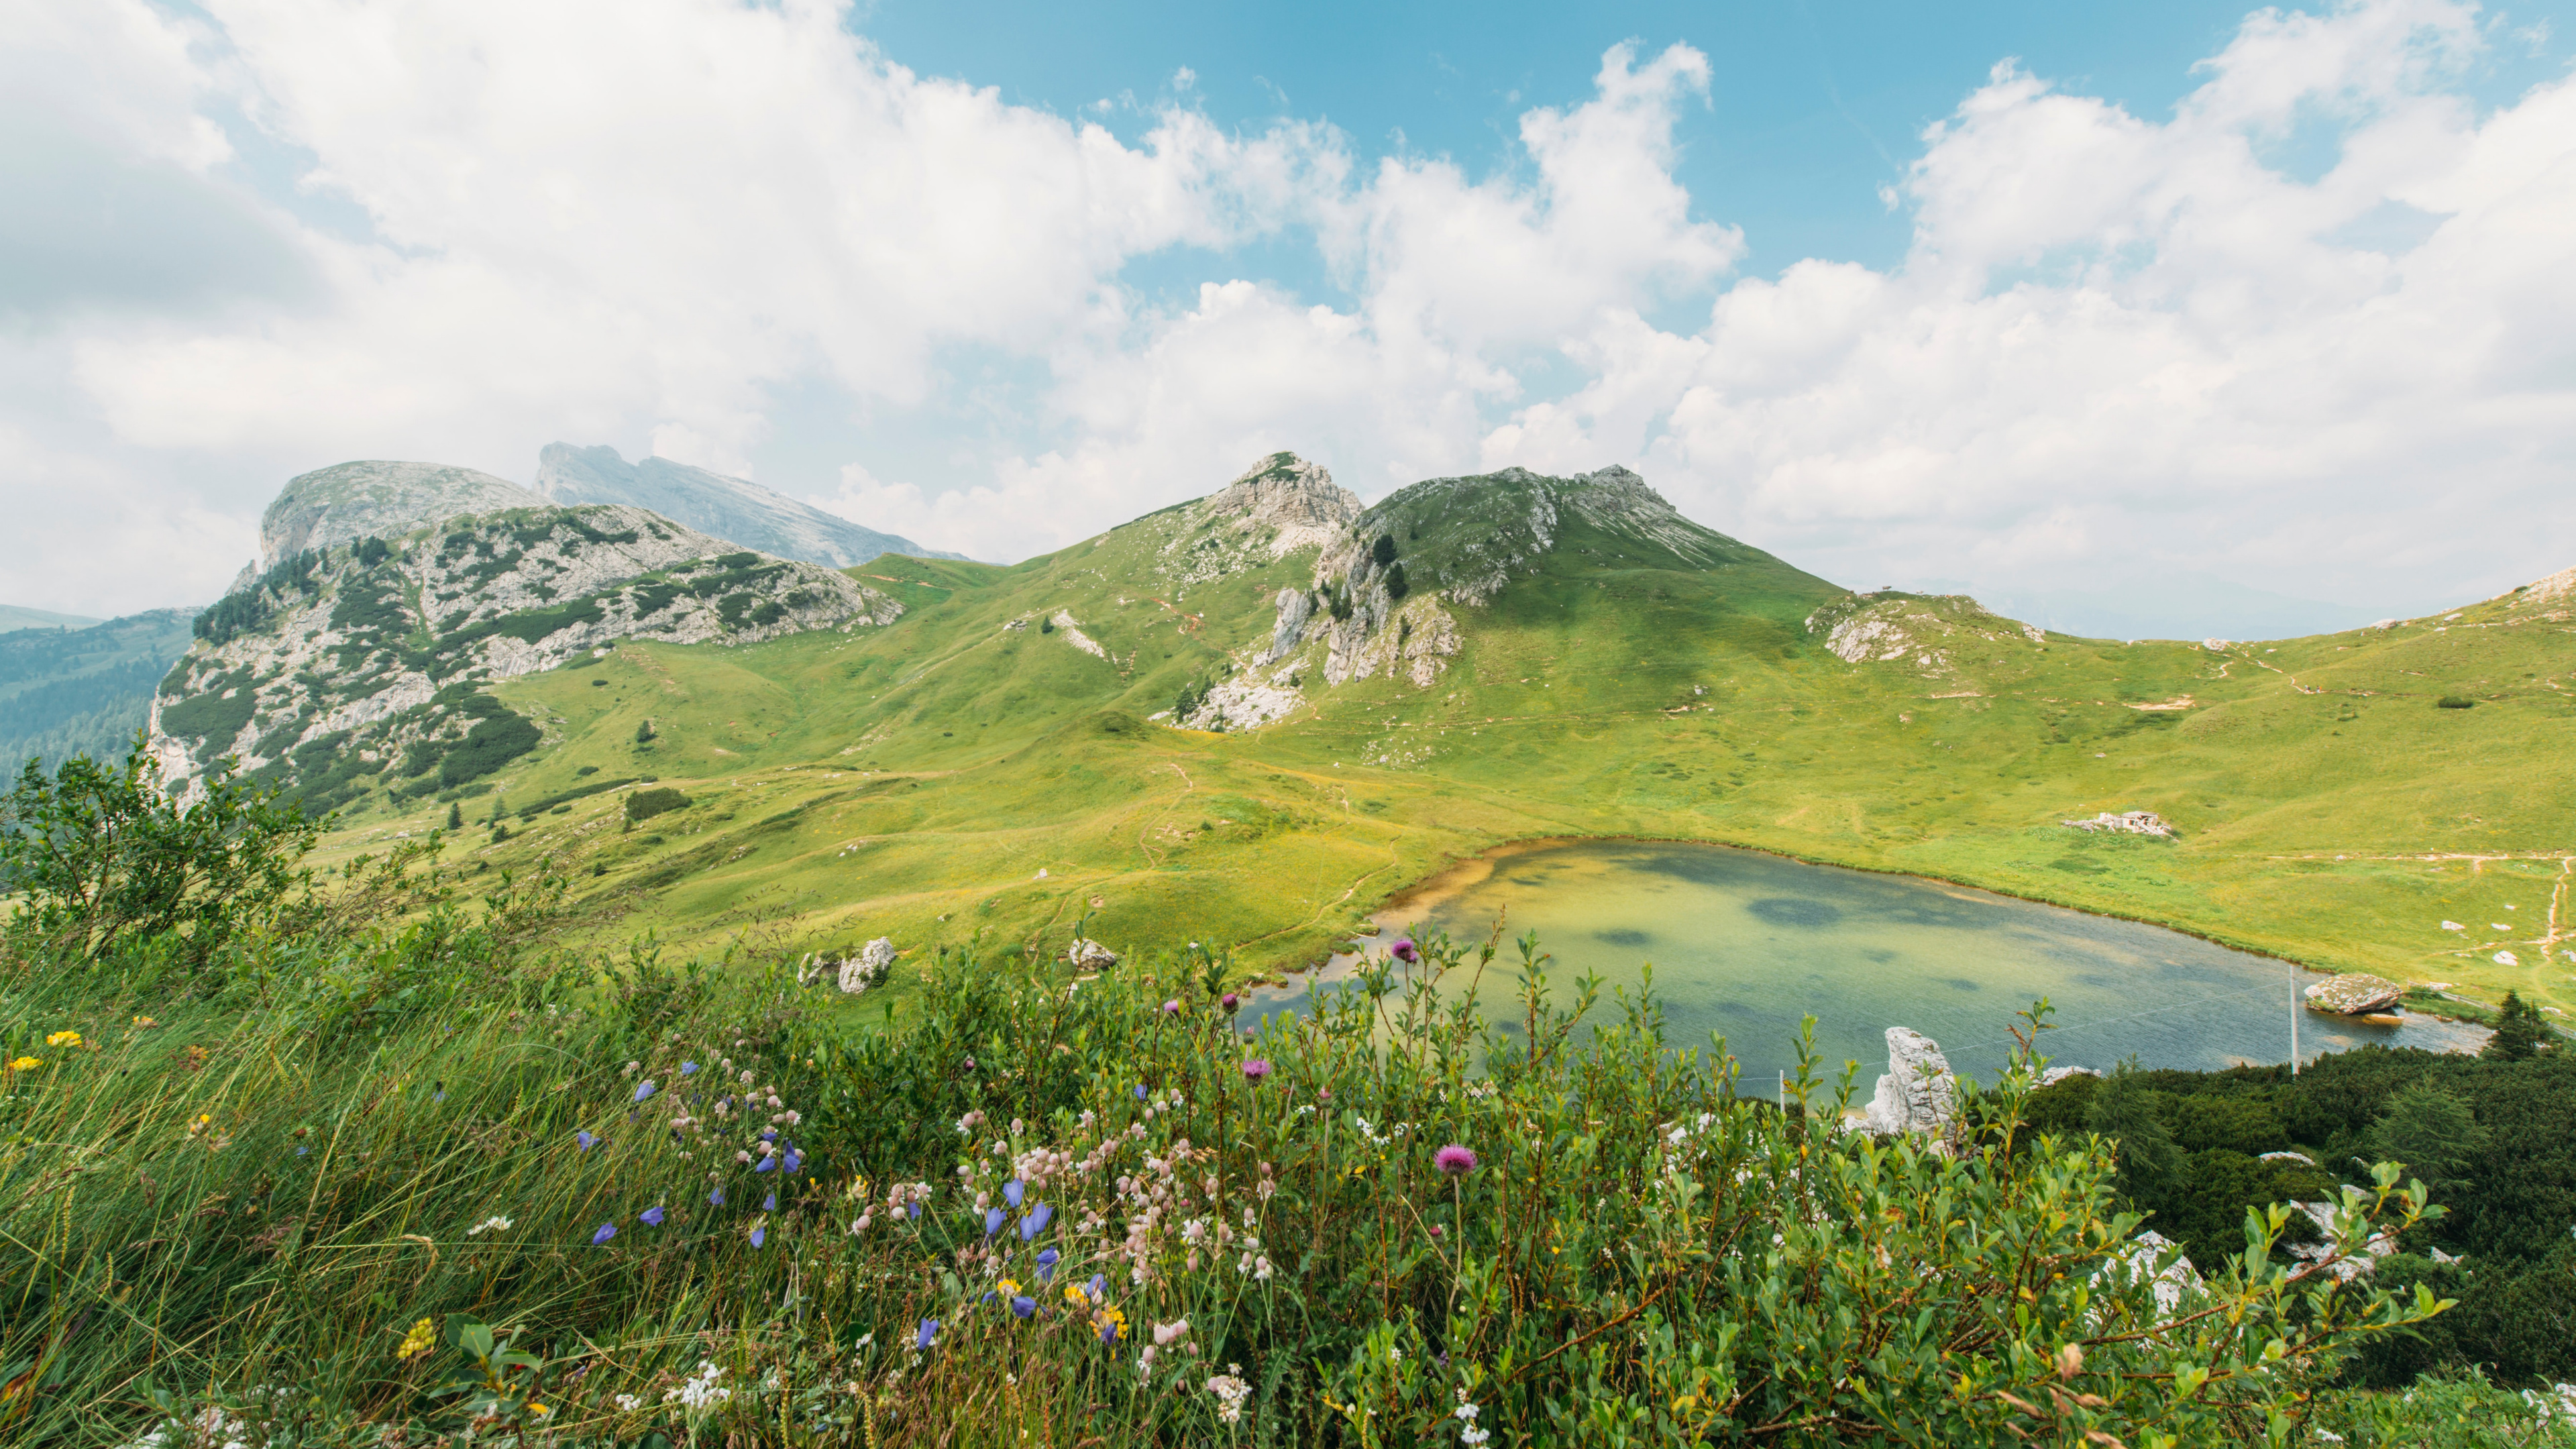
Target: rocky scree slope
point(346, 667)
point(713, 503)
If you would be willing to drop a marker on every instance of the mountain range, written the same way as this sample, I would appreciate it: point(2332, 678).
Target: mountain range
point(1255, 716)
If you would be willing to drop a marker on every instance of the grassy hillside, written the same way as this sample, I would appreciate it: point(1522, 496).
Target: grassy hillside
point(951, 774)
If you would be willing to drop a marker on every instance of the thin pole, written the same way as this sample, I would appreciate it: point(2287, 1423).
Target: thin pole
point(2294, 1020)
point(1784, 1091)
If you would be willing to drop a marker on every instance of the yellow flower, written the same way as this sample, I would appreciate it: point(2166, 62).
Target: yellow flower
point(1074, 1295)
point(422, 1337)
point(1009, 1286)
point(537, 1408)
point(25, 1064)
point(63, 1038)
point(145, 1021)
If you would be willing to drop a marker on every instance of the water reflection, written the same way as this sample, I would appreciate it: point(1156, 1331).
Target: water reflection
point(1743, 944)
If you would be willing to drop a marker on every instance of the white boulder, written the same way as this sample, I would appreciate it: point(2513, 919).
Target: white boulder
point(869, 967)
point(1917, 1092)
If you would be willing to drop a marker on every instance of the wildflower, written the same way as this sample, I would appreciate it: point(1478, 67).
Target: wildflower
point(644, 1089)
point(1232, 1001)
point(626, 1403)
point(1035, 1223)
point(606, 1232)
point(651, 1217)
point(1255, 1069)
point(493, 1224)
point(1165, 1333)
point(1405, 951)
point(1171, 1008)
point(1230, 1393)
point(1454, 1160)
point(929, 1334)
point(586, 1140)
point(1046, 1264)
point(1099, 1286)
point(423, 1336)
point(795, 1160)
point(688, 1069)
point(766, 1164)
point(1112, 1323)
point(1022, 1307)
point(1140, 1091)
point(716, 1198)
point(769, 1204)
point(145, 1021)
point(1468, 1433)
point(992, 1221)
point(63, 1039)
point(760, 1233)
point(25, 1064)
point(1012, 1190)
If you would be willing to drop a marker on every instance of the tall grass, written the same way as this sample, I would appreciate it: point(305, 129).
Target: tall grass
point(332, 1187)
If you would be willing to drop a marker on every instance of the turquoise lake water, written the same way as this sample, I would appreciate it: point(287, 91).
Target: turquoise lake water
point(1744, 944)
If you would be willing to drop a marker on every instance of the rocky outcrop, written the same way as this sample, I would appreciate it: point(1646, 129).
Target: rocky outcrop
point(2353, 993)
point(346, 502)
point(1295, 606)
point(736, 510)
point(2055, 1075)
point(867, 968)
point(1089, 955)
point(1917, 1092)
point(2131, 822)
point(1285, 501)
point(362, 660)
point(1927, 632)
point(1466, 538)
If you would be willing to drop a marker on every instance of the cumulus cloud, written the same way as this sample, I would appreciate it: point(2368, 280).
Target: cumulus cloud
point(2116, 341)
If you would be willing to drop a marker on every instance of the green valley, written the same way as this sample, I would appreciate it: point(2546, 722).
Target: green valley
point(1474, 661)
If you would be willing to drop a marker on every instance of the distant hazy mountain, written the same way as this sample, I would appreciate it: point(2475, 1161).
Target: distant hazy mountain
point(734, 509)
point(350, 501)
point(13, 617)
point(65, 692)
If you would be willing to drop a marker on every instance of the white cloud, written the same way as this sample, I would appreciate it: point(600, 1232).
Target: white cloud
point(2116, 341)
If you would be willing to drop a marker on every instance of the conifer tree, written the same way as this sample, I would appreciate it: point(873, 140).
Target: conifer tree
point(455, 816)
point(2520, 1033)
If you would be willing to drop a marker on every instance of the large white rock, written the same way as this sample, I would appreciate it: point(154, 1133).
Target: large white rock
point(2352, 993)
point(869, 967)
point(1917, 1092)
point(1090, 955)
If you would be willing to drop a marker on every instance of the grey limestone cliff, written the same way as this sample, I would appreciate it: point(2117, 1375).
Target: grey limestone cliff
point(373, 498)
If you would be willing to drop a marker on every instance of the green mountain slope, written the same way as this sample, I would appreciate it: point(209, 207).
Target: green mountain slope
point(1564, 657)
point(13, 617)
point(65, 692)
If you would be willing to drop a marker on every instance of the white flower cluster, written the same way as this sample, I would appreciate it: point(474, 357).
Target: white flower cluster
point(1468, 1433)
point(492, 1224)
point(211, 1429)
point(699, 1391)
point(1230, 1391)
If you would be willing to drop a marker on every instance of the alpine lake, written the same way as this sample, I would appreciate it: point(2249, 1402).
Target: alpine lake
point(1743, 945)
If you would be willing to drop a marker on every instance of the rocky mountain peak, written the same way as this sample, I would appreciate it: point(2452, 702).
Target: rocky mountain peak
point(736, 510)
point(1286, 493)
point(375, 498)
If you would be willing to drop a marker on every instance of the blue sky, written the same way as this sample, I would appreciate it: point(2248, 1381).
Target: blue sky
point(2189, 311)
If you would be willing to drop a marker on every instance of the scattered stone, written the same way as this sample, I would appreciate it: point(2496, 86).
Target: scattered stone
point(2363, 1258)
point(2507, 958)
point(2354, 993)
point(869, 967)
point(1917, 1092)
point(1090, 955)
point(2134, 822)
point(2055, 1075)
point(2171, 1284)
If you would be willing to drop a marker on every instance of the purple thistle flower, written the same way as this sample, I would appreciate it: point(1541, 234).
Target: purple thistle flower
point(1232, 1001)
point(1171, 1008)
point(1035, 1223)
point(585, 1141)
point(769, 1204)
point(759, 1234)
point(1046, 1264)
point(651, 1217)
point(1013, 1190)
point(644, 1090)
point(606, 1232)
point(1405, 951)
point(716, 1198)
point(1454, 1160)
point(992, 1221)
point(688, 1069)
point(929, 1334)
point(1255, 1069)
point(1023, 1307)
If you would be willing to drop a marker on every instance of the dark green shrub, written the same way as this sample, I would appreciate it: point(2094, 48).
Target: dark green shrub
point(645, 804)
point(1383, 551)
point(1396, 586)
point(2453, 701)
point(488, 746)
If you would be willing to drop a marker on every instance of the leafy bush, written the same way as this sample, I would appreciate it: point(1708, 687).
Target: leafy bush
point(645, 804)
point(496, 741)
point(2453, 701)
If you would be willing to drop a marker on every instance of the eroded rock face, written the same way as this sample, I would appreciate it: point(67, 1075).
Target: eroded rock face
point(1295, 502)
point(1923, 632)
point(1917, 1092)
point(2352, 993)
point(869, 967)
point(376, 498)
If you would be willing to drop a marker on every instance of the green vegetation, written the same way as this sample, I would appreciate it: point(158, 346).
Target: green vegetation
point(72, 691)
point(645, 804)
point(409, 1165)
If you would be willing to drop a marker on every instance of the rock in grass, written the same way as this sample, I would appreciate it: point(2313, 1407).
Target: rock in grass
point(869, 967)
point(2353, 993)
point(1090, 955)
point(2134, 822)
point(1917, 1094)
